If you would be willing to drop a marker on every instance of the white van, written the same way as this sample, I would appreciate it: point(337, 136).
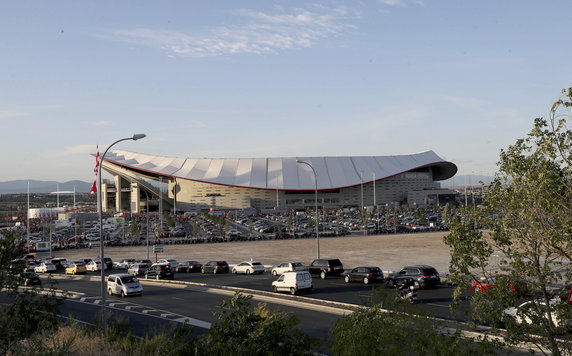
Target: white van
point(123, 284)
point(293, 282)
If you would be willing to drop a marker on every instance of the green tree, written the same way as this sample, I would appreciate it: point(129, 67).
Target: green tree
point(247, 330)
point(31, 310)
point(527, 215)
point(400, 330)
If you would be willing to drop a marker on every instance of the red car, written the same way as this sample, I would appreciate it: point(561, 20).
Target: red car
point(484, 284)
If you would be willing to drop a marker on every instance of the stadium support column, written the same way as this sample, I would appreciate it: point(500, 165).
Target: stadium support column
point(135, 198)
point(118, 200)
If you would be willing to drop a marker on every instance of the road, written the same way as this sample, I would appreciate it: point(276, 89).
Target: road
point(195, 303)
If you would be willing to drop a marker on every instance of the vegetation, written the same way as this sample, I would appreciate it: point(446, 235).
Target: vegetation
point(30, 310)
point(527, 213)
point(400, 330)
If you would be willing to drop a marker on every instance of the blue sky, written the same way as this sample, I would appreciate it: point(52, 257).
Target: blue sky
point(274, 79)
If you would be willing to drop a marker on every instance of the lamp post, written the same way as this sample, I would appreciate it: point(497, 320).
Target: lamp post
point(316, 199)
point(147, 198)
point(100, 208)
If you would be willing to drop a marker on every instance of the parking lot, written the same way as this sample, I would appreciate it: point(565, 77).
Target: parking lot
point(390, 252)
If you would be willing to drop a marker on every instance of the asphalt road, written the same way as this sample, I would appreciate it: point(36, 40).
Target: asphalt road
point(198, 303)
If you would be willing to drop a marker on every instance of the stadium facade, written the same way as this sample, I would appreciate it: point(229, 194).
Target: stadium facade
point(199, 184)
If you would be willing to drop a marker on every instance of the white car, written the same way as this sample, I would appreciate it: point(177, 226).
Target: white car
point(287, 267)
point(45, 267)
point(293, 282)
point(169, 262)
point(248, 268)
point(528, 312)
point(138, 268)
point(125, 263)
point(123, 284)
point(93, 266)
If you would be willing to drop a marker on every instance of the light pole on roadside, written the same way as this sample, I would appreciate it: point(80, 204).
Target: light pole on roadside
point(100, 208)
point(147, 198)
point(316, 199)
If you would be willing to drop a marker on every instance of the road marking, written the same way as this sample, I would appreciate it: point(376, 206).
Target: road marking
point(177, 298)
point(437, 305)
point(147, 311)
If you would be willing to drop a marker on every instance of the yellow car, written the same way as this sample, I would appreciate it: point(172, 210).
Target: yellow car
point(75, 268)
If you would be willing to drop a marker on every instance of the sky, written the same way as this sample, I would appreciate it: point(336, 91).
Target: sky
point(228, 79)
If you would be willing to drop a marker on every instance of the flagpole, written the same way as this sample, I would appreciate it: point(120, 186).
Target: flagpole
point(28, 218)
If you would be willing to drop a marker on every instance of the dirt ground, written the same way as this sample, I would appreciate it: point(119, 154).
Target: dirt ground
point(389, 252)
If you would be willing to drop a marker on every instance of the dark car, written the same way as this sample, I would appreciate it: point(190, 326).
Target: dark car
point(421, 276)
point(60, 263)
point(365, 274)
point(215, 267)
point(160, 272)
point(30, 278)
point(108, 263)
point(325, 267)
point(189, 266)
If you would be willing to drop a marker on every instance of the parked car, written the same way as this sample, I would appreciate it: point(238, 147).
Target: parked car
point(516, 287)
point(365, 274)
point(169, 261)
point(287, 267)
point(123, 284)
point(59, 263)
point(293, 282)
point(93, 266)
point(248, 267)
point(138, 268)
point(189, 266)
point(326, 267)
point(529, 312)
point(45, 267)
point(160, 272)
point(422, 276)
point(31, 278)
point(76, 268)
point(215, 267)
point(124, 263)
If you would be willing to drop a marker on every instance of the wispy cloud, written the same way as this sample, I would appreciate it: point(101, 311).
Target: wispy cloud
point(260, 33)
point(77, 150)
point(9, 114)
point(400, 2)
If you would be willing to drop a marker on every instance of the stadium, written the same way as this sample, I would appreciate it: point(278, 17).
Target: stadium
point(206, 184)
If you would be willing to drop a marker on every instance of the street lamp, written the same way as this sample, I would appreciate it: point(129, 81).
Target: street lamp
point(316, 198)
point(147, 197)
point(100, 208)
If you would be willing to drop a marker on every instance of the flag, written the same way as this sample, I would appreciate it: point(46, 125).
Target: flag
point(93, 189)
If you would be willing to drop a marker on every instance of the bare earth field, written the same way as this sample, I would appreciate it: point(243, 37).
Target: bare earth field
point(390, 252)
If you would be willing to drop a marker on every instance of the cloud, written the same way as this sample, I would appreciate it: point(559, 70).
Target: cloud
point(400, 2)
point(260, 33)
point(9, 114)
point(77, 150)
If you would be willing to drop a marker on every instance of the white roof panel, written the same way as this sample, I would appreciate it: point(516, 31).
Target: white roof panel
point(285, 173)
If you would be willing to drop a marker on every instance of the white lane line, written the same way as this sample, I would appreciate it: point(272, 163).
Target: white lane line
point(147, 311)
point(177, 298)
point(437, 305)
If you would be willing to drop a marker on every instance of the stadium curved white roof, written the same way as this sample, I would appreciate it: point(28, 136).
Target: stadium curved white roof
point(283, 173)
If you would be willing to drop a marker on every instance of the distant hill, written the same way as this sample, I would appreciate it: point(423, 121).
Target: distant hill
point(40, 186)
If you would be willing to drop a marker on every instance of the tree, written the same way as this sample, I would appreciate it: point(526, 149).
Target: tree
point(399, 330)
point(30, 310)
point(527, 213)
point(244, 330)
